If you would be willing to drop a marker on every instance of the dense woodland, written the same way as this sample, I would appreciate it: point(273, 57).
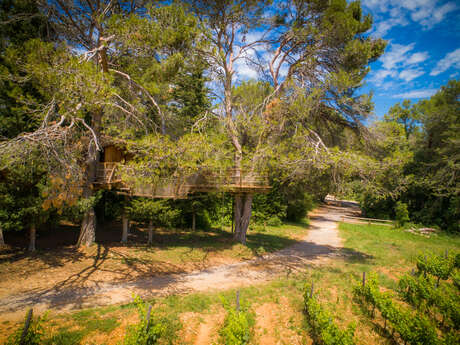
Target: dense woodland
point(162, 77)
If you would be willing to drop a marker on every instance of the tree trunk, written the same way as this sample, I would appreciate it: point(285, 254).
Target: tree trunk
point(194, 221)
point(150, 232)
point(88, 227)
point(125, 220)
point(2, 241)
point(32, 235)
point(243, 209)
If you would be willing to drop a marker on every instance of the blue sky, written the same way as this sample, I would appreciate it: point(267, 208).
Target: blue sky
point(423, 50)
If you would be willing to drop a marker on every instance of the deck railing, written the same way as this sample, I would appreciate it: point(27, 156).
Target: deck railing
point(109, 175)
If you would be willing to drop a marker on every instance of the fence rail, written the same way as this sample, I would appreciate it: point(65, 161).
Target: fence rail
point(384, 222)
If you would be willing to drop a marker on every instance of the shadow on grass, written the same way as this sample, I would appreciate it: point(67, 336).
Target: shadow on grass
point(355, 257)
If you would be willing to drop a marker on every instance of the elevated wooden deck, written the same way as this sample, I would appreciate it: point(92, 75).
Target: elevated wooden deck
point(110, 176)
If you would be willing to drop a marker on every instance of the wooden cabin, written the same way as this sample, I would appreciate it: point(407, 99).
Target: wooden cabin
point(113, 159)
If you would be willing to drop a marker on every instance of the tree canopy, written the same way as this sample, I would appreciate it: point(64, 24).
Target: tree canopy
point(165, 80)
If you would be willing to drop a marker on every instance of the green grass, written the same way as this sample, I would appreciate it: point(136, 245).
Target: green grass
point(392, 248)
point(182, 246)
point(87, 321)
point(65, 337)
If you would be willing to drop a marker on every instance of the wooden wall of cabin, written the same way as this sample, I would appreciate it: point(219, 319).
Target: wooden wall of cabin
point(112, 154)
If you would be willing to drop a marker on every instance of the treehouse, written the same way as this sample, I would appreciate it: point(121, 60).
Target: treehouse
point(114, 173)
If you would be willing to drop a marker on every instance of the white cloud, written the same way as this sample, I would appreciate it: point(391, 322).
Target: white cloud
point(417, 57)
point(410, 74)
point(427, 13)
point(416, 94)
point(379, 76)
point(396, 55)
point(383, 27)
point(388, 85)
point(437, 15)
point(450, 60)
point(399, 63)
point(376, 5)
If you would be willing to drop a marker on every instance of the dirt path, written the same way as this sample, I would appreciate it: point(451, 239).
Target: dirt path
point(317, 247)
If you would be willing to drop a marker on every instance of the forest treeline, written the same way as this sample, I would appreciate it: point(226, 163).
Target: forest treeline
point(163, 79)
point(416, 157)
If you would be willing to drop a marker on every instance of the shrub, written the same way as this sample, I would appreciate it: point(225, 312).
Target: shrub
point(324, 330)
point(401, 214)
point(437, 265)
point(33, 336)
point(159, 211)
point(298, 207)
point(147, 331)
point(413, 329)
point(237, 329)
point(274, 221)
point(456, 279)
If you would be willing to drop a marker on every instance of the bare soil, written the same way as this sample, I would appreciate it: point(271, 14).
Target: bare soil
point(95, 285)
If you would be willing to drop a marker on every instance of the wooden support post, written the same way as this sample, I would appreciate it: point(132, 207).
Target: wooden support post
point(32, 236)
point(364, 278)
point(124, 236)
point(233, 212)
point(193, 220)
point(150, 240)
point(2, 241)
point(26, 327)
point(125, 222)
point(312, 289)
point(238, 300)
point(148, 317)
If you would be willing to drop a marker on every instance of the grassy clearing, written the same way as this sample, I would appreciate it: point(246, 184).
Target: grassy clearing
point(178, 246)
point(278, 305)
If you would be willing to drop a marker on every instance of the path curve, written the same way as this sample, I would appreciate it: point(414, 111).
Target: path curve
point(321, 243)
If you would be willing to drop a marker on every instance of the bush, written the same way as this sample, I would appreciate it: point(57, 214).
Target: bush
point(237, 329)
point(274, 221)
point(401, 214)
point(437, 265)
point(159, 211)
point(286, 202)
point(413, 328)
point(324, 330)
point(298, 207)
point(146, 331)
point(34, 336)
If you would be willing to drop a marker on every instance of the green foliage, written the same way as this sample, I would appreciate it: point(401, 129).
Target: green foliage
point(237, 328)
point(402, 214)
point(404, 115)
point(298, 206)
point(413, 329)
point(456, 279)
point(323, 329)
point(159, 211)
point(34, 335)
point(287, 201)
point(274, 221)
point(427, 295)
point(15, 90)
point(66, 337)
point(415, 161)
point(438, 266)
point(147, 331)
point(21, 195)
